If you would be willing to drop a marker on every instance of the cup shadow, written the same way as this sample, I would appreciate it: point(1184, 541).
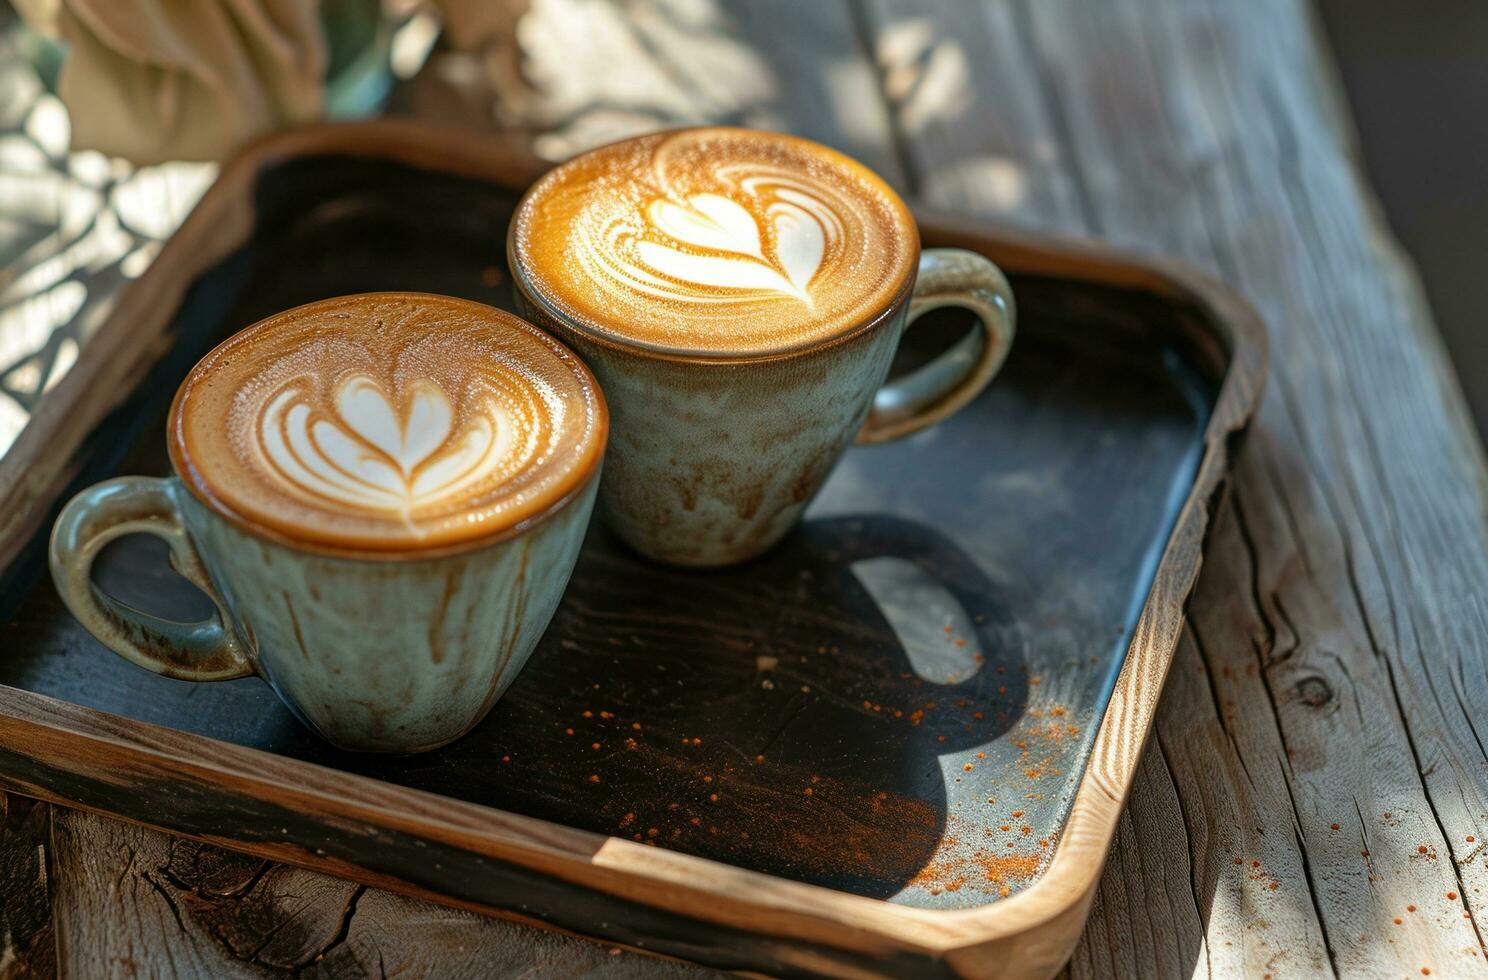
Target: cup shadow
point(804, 715)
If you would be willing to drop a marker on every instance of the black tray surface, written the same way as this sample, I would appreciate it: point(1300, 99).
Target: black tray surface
point(897, 702)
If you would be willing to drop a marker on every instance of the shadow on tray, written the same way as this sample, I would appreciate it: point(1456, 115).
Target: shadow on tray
point(791, 715)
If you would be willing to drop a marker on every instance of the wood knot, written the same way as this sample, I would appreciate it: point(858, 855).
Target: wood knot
point(1314, 691)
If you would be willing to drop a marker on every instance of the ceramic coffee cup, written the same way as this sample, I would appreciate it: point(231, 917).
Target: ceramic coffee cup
point(740, 295)
point(382, 495)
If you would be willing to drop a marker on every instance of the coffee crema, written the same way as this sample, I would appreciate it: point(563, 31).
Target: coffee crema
point(388, 422)
point(714, 241)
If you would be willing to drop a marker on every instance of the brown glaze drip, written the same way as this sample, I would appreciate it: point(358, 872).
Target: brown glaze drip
point(715, 241)
point(387, 422)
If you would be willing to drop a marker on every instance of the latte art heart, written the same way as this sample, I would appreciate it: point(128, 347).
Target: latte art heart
point(387, 422)
point(369, 455)
point(727, 252)
point(714, 240)
point(766, 240)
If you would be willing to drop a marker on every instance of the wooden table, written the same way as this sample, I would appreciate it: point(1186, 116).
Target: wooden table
point(1315, 796)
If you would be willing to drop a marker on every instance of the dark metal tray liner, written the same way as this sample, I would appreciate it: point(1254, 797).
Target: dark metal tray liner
point(897, 702)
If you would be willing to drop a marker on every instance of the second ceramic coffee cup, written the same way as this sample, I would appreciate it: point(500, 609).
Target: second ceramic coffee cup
point(741, 295)
point(386, 535)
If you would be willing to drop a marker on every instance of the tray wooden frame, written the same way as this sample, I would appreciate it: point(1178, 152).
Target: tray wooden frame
point(651, 898)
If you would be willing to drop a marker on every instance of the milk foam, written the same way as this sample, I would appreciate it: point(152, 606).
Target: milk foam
point(387, 421)
point(716, 240)
point(365, 455)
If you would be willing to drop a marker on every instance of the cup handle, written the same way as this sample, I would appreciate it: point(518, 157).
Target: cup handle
point(947, 277)
point(204, 651)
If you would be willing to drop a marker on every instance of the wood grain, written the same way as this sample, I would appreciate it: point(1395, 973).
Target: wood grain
point(773, 64)
point(133, 902)
point(27, 946)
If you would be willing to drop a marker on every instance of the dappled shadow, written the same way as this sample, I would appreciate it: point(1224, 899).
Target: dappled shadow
point(74, 228)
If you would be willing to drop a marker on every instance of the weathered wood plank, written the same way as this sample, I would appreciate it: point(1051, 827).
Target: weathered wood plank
point(133, 902)
point(1286, 218)
point(1340, 620)
point(130, 901)
point(775, 64)
point(437, 942)
point(970, 113)
point(1144, 920)
point(27, 949)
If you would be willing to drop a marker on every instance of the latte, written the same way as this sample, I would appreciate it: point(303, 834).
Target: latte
point(715, 242)
point(387, 422)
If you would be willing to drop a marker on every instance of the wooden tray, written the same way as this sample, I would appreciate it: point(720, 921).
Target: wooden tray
point(896, 745)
